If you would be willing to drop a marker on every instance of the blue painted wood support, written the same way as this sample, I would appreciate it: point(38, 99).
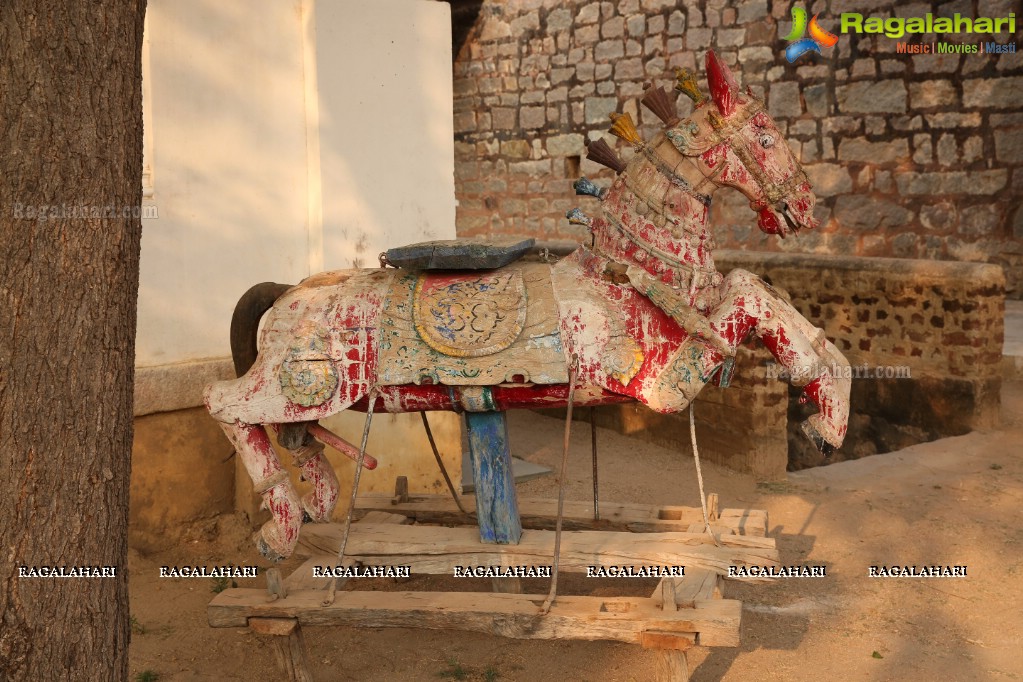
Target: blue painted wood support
point(497, 508)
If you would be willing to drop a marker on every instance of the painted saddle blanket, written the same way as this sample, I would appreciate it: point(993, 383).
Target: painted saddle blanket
point(472, 328)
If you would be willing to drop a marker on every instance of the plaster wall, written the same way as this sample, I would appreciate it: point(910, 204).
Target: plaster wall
point(281, 139)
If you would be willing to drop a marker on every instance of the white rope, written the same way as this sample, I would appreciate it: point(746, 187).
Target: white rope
point(699, 476)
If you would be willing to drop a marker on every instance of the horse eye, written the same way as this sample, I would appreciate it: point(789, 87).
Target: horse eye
point(766, 141)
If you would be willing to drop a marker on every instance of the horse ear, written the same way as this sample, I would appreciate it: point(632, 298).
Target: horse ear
point(723, 88)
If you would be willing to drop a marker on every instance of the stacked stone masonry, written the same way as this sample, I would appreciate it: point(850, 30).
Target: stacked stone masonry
point(911, 156)
point(924, 337)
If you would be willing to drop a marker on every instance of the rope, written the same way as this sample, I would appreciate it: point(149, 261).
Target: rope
point(699, 476)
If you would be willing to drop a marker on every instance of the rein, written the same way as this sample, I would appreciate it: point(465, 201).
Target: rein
point(692, 141)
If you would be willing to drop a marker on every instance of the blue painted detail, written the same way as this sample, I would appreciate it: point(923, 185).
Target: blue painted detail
point(726, 372)
point(577, 217)
point(497, 508)
point(585, 186)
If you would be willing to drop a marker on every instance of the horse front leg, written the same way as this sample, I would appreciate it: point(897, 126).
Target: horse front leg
point(750, 305)
point(277, 538)
point(308, 456)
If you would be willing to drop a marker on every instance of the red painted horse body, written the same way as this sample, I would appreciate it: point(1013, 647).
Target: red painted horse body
point(643, 315)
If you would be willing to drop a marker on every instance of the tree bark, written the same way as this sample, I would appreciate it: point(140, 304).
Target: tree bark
point(70, 188)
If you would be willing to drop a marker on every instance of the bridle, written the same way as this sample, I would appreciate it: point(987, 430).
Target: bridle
point(722, 131)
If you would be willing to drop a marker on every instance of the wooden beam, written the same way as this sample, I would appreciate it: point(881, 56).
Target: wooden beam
point(302, 578)
point(385, 517)
point(275, 585)
point(541, 514)
point(697, 585)
point(438, 550)
point(626, 619)
point(498, 511)
point(674, 666)
point(288, 646)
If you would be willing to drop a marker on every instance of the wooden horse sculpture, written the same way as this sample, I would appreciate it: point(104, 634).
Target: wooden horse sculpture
point(641, 315)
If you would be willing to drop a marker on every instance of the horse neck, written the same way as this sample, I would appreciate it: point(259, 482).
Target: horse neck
point(656, 221)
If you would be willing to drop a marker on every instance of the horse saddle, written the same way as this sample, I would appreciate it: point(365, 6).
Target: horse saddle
point(459, 254)
point(476, 328)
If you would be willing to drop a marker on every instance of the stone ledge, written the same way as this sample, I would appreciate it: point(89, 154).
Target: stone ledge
point(930, 270)
point(177, 386)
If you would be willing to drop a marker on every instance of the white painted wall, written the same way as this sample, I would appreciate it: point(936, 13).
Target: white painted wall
point(229, 169)
point(285, 138)
point(385, 126)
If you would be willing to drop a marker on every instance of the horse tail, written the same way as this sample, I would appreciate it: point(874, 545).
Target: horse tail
point(245, 322)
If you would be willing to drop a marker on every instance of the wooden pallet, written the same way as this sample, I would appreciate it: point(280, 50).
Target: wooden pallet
point(681, 612)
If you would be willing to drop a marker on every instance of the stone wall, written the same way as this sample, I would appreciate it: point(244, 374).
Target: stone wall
point(912, 156)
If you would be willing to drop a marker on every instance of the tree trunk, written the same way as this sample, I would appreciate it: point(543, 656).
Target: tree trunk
point(70, 190)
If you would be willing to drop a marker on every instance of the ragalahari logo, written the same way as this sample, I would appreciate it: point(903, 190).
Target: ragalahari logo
point(818, 36)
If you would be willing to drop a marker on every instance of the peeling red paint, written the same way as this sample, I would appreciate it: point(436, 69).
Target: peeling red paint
point(646, 314)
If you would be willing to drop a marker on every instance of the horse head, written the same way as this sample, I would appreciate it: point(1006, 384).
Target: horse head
point(734, 142)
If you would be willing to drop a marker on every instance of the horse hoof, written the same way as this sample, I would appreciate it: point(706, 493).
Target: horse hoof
point(823, 446)
point(266, 550)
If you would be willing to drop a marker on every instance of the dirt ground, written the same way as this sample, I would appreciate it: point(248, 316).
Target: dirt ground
point(956, 501)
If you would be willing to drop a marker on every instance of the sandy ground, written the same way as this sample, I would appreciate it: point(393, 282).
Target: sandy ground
point(956, 501)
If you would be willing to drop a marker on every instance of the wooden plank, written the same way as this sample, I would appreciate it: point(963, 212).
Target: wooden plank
point(437, 550)
point(292, 656)
point(541, 514)
point(288, 646)
point(668, 641)
point(717, 528)
point(302, 578)
point(624, 619)
point(497, 510)
point(746, 521)
point(278, 627)
point(275, 584)
point(674, 665)
point(697, 585)
point(385, 517)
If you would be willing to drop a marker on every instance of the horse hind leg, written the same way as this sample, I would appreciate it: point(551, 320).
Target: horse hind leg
point(277, 538)
point(750, 305)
